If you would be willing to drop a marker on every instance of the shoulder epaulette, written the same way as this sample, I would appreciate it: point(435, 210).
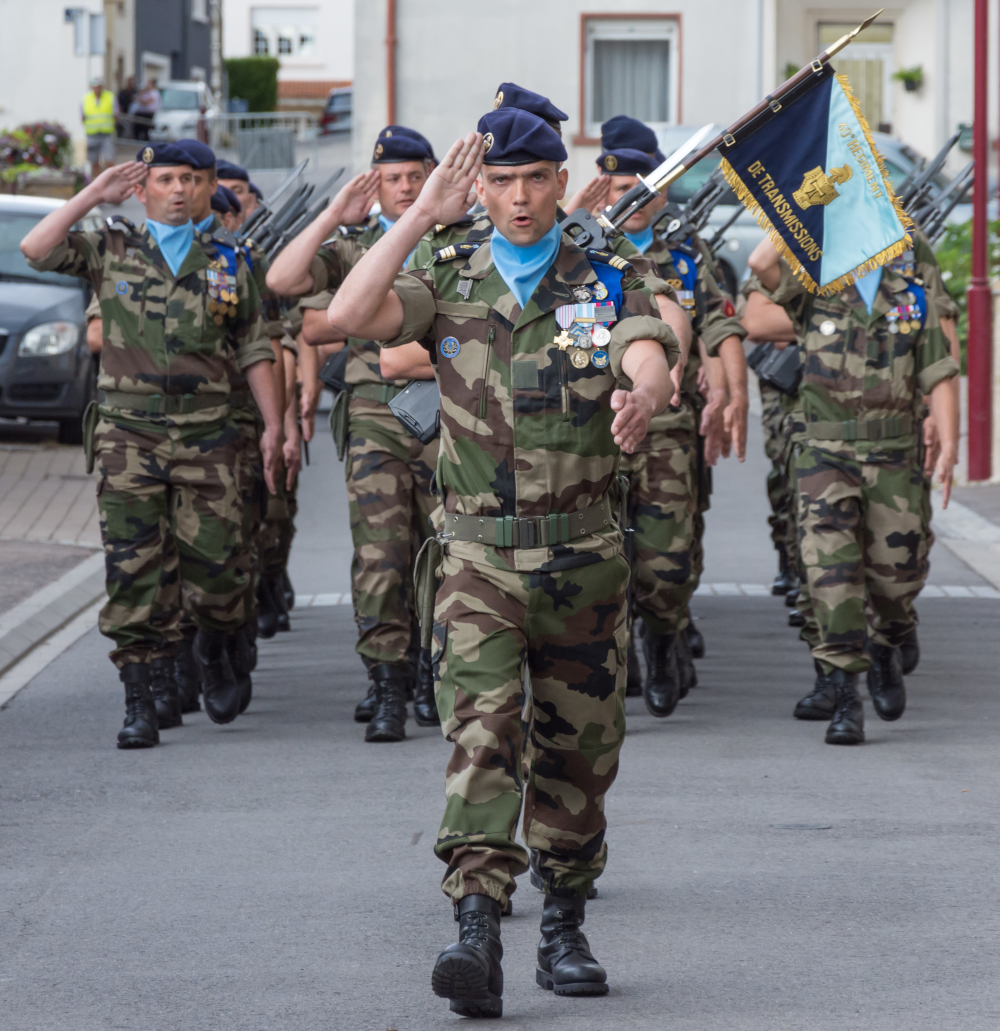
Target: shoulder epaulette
point(119, 224)
point(351, 232)
point(608, 258)
point(455, 250)
point(465, 220)
point(224, 236)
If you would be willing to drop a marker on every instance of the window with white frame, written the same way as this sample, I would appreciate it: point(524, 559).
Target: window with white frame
point(288, 33)
point(199, 10)
point(630, 68)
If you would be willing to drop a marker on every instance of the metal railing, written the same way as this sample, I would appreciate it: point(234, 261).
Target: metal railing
point(223, 129)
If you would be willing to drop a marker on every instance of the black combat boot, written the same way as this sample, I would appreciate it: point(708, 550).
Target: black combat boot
point(910, 651)
point(267, 610)
point(186, 673)
point(687, 677)
point(424, 707)
point(796, 619)
point(785, 580)
point(389, 721)
point(822, 701)
point(662, 689)
point(139, 729)
point(848, 724)
point(238, 650)
point(250, 629)
point(885, 682)
point(535, 873)
point(276, 588)
point(566, 965)
point(288, 590)
point(166, 694)
point(792, 597)
point(365, 709)
point(221, 691)
point(468, 972)
point(633, 675)
point(695, 640)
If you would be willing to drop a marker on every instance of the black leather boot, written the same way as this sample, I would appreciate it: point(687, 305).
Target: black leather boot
point(785, 580)
point(365, 709)
point(687, 677)
point(662, 688)
point(566, 965)
point(822, 701)
point(848, 724)
point(166, 694)
point(468, 972)
point(796, 619)
point(186, 673)
point(885, 682)
point(276, 587)
point(139, 729)
point(792, 596)
point(288, 590)
point(220, 688)
point(250, 629)
point(910, 652)
point(389, 721)
point(535, 873)
point(424, 707)
point(267, 610)
point(633, 676)
point(695, 640)
point(238, 650)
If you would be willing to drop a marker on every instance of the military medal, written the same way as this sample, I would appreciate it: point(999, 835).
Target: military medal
point(599, 359)
point(682, 266)
point(601, 336)
point(581, 335)
point(563, 340)
point(450, 347)
point(582, 294)
point(580, 359)
point(599, 290)
point(686, 297)
point(828, 328)
point(217, 319)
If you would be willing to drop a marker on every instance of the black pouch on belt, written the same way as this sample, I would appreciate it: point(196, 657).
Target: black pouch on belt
point(91, 415)
point(425, 585)
point(418, 408)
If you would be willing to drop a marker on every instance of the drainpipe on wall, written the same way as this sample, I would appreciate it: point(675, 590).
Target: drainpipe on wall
point(390, 61)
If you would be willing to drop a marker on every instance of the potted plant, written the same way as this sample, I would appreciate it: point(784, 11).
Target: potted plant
point(911, 78)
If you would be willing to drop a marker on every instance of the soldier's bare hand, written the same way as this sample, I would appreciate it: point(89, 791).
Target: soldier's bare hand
point(713, 428)
point(271, 441)
point(946, 473)
point(634, 410)
point(932, 445)
point(292, 454)
point(592, 197)
point(445, 196)
point(735, 425)
point(116, 184)
point(355, 199)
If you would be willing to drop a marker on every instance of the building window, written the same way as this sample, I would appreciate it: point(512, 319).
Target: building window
point(289, 32)
point(630, 67)
point(199, 10)
point(868, 62)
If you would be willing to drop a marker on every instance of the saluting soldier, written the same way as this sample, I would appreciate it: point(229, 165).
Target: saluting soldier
point(536, 345)
point(388, 471)
point(165, 442)
point(869, 352)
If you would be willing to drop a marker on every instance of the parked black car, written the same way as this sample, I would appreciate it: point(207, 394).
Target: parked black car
point(46, 371)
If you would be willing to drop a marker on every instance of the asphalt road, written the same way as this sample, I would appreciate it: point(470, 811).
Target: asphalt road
point(278, 874)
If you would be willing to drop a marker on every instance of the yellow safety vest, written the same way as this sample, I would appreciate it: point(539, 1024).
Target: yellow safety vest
point(99, 115)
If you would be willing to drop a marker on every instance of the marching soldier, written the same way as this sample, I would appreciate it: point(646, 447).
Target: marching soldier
point(388, 471)
point(164, 440)
point(536, 403)
point(868, 350)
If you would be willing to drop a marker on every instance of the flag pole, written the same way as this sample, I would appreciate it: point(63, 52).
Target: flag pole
point(978, 357)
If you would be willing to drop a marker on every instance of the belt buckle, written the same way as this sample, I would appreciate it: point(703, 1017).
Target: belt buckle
point(526, 532)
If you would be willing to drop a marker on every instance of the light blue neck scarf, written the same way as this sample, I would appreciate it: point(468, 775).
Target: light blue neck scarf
point(205, 224)
point(641, 241)
point(174, 241)
point(386, 226)
point(522, 268)
point(868, 286)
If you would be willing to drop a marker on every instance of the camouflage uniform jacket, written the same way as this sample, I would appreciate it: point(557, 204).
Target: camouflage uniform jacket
point(861, 382)
point(159, 336)
point(336, 257)
point(524, 433)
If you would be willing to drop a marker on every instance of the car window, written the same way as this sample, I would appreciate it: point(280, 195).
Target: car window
point(14, 227)
point(179, 99)
point(896, 173)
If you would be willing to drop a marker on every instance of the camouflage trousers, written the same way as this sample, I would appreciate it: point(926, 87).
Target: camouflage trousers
point(164, 493)
point(665, 517)
point(254, 496)
point(779, 492)
point(863, 540)
point(388, 476)
point(568, 629)
point(279, 527)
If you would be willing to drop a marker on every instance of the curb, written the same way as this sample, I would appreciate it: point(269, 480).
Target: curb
point(27, 625)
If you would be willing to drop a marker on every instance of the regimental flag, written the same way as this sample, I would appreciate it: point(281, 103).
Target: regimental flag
point(808, 169)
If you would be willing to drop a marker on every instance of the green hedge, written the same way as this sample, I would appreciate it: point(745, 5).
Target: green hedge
point(255, 80)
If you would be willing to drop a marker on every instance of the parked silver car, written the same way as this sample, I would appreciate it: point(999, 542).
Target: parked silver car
point(183, 104)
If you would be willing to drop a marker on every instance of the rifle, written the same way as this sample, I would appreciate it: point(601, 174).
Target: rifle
point(692, 218)
point(718, 237)
point(599, 230)
point(915, 195)
point(933, 217)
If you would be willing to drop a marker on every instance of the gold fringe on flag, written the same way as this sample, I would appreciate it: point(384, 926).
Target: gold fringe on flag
point(893, 251)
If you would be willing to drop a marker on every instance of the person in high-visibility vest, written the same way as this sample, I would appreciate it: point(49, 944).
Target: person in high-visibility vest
point(98, 113)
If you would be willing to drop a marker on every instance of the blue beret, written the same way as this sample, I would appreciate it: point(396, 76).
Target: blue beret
point(515, 137)
point(255, 190)
point(223, 195)
point(624, 133)
point(200, 155)
point(509, 94)
point(397, 143)
point(626, 162)
point(226, 170)
point(154, 154)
